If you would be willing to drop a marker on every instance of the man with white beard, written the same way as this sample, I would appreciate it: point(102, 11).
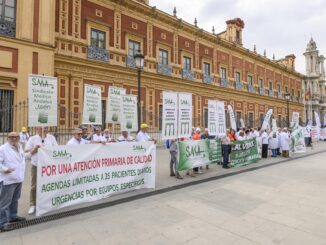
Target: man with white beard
point(12, 171)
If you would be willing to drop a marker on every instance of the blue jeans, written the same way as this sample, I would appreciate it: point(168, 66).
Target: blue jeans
point(9, 196)
point(225, 152)
point(274, 152)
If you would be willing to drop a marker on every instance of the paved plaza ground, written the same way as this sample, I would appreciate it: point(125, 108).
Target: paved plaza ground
point(281, 204)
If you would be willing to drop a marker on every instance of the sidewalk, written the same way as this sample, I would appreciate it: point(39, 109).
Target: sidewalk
point(164, 183)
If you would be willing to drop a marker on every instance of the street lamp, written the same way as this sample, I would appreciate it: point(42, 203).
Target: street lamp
point(287, 97)
point(139, 61)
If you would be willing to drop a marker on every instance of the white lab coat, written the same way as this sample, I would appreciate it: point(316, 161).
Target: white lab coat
point(284, 141)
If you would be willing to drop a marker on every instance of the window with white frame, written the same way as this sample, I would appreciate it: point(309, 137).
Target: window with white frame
point(98, 38)
point(163, 57)
point(223, 72)
point(207, 68)
point(133, 47)
point(186, 63)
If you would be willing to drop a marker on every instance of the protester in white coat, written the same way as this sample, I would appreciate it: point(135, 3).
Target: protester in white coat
point(273, 143)
point(285, 142)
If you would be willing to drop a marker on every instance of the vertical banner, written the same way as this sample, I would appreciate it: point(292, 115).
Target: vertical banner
point(297, 141)
point(274, 125)
point(129, 117)
point(212, 117)
point(92, 112)
point(325, 120)
point(42, 103)
point(267, 119)
point(113, 106)
point(170, 115)
point(295, 119)
point(221, 122)
point(317, 119)
point(232, 118)
point(184, 115)
point(243, 125)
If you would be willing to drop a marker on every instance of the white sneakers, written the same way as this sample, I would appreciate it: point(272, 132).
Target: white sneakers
point(31, 210)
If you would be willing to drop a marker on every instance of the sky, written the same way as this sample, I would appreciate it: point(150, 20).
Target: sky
point(281, 27)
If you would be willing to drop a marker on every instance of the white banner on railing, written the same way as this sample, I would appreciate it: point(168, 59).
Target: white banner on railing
point(113, 114)
point(232, 118)
point(129, 117)
point(42, 103)
point(185, 115)
point(221, 121)
point(75, 174)
point(170, 115)
point(212, 117)
point(92, 111)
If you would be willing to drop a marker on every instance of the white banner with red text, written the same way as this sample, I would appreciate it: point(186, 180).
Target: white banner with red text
point(75, 174)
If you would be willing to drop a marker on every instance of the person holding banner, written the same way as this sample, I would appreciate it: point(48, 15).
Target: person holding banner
point(77, 138)
point(107, 136)
point(143, 135)
point(273, 143)
point(285, 143)
point(41, 139)
point(125, 137)
point(98, 137)
point(12, 172)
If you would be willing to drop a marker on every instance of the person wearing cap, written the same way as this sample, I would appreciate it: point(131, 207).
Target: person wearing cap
point(125, 137)
point(12, 172)
point(107, 136)
point(23, 137)
point(196, 135)
point(98, 137)
point(143, 135)
point(41, 139)
point(77, 138)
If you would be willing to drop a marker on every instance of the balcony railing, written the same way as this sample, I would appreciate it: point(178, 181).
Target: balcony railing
point(164, 69)
point(208, 78)
point(238, 86)
point(251, 89)
point(279, 95)
point(7, 28)
point(261, 91)
point(224, 82)
point(270, 93)
point(188, 74)
point(95, 53)
point(130, 61)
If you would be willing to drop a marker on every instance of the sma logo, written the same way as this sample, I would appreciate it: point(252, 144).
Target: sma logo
point(139, 148)
point(61, 154)
point(41, 82)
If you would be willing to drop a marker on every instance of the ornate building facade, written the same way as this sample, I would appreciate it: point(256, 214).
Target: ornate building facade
point(314, 84)
point(94, 41)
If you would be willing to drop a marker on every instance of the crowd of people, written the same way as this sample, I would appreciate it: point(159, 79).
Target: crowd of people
point(277, 142)
point(22, 146)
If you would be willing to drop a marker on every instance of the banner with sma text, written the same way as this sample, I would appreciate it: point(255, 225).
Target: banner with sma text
point(244, 152)
point(75, 174)
point(42, 103)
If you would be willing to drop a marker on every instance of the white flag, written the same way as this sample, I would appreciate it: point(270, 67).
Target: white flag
point(232, 118)
point(267, 119)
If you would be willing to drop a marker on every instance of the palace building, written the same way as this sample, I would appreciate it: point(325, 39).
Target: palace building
point(94, 42)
